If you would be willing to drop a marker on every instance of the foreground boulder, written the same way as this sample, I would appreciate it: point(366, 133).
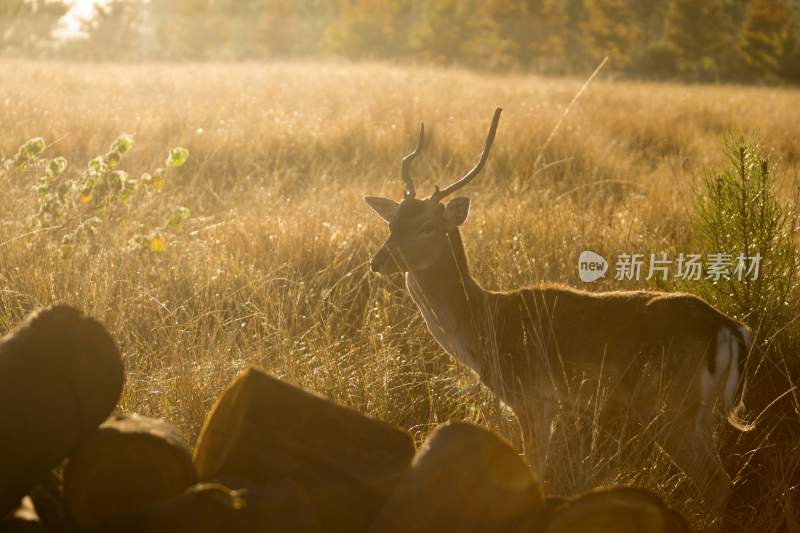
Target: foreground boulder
point(464, 479)
point(264, 430)
point(129, 464)
point(60, 377)
point(616, 510)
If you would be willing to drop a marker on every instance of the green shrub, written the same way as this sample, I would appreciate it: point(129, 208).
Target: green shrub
point(737, 211)
point(72, 204)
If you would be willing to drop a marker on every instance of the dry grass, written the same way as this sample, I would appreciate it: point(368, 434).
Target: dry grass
point(272, 269)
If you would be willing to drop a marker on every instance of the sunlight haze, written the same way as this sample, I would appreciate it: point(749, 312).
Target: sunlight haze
point(261, 295)
point(71, 25)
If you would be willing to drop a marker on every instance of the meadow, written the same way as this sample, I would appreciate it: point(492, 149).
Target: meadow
point(272, 266)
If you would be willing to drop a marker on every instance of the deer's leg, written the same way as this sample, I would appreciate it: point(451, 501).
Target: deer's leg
point(689, 441)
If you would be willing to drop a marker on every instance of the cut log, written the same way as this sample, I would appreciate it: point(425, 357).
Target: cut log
point(48, 502)
point(60, 377)
point(536, 521)
point(205, 508)
point(130, 464)
point(464, 479)
point(263, 430)
point(217, 508)
point(617, 510)
point(282, 506)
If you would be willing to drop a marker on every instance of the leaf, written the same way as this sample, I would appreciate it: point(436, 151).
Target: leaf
point(113, 159)
point(156, 180)
point(123, 144)
point(33, 147)
point(90, 180)
point(98, 163)
point(56, 167)
point(178, 216)
point(138, 243)
point(118, 179)
point(177, 157)
point(51, 170)
point(158, 245)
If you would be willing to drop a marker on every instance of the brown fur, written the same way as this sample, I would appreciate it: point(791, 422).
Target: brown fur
point(649, 350)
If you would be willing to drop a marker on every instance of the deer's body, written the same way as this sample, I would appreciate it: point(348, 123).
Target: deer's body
point(539, 337)
point(669, 358)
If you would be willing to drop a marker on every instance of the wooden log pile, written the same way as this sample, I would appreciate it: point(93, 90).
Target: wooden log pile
point(271, 457)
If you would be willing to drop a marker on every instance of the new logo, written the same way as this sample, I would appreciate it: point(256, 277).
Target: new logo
point(591, 266)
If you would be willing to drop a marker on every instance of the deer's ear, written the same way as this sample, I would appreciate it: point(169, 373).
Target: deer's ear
point(384, 207)
point(456, 212)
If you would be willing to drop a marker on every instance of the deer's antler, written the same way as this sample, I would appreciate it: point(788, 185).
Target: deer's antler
point(405, 168)
point(453, 187)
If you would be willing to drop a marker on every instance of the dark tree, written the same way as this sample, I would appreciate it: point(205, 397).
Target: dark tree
point(767, 36)
point(611, 30)
point(450, 31)
point(701, 31)
point(371, 28)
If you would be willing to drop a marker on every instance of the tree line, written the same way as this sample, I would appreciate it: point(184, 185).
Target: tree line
point(737, 40)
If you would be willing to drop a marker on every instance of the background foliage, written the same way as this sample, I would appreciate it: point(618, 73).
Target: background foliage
point(741, 40)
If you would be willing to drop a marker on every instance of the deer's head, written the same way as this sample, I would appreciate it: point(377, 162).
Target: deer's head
point(418, 228)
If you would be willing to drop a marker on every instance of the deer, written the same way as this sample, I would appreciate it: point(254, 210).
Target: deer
point(660, 355)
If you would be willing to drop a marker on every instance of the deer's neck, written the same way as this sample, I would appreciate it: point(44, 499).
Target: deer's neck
point(451, 302)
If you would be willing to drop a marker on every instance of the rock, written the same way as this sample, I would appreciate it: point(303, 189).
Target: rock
point(129, 464)
point(60, 377)
point(264, 430)
point(464, 479)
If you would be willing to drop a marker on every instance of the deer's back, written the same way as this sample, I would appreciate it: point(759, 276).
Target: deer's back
point(557, 332)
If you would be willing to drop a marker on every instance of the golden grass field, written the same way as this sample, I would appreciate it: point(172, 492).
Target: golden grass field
point(272, 267)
